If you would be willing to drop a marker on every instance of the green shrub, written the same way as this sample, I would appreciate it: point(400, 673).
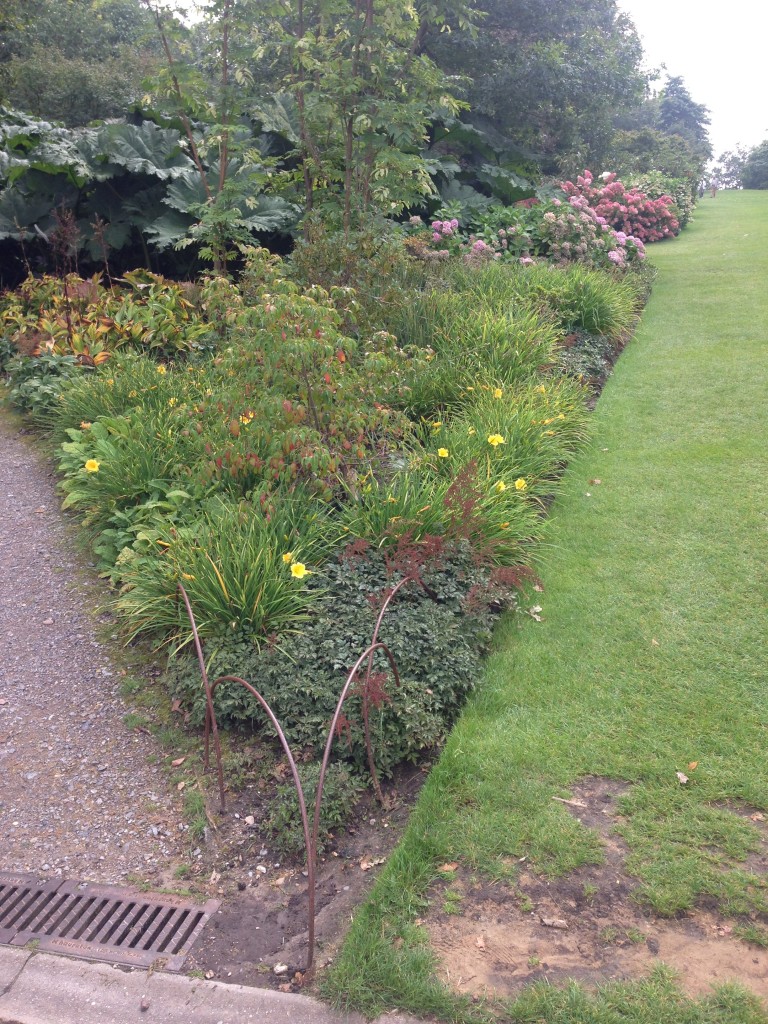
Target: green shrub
point(37, 382)
point(437, 645)
point(371, 261)
point(281, 828)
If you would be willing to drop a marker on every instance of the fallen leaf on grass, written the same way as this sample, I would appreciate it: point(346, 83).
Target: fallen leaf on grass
point(554, 922)
point(215, 876)
point(480, 943)
point(448, 867)
point(596, 481)
point(180, 786)
point(573, 803)
point(534, 612)
point(693, 766)
point(724, 930)
point(179, 761)
point(370, 862)
point(654, 642)
point(757, 816)
point(682, 778)
point(176, 706)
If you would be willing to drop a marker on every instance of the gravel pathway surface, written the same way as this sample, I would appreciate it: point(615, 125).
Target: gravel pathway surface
point(78, 795)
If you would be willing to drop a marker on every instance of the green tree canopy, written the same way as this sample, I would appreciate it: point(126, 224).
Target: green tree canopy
point(755, 172)
point(75, 60)
point(551, 77)
point(680, 115)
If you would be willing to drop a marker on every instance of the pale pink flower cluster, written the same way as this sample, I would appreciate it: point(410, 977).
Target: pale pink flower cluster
point(443, 228)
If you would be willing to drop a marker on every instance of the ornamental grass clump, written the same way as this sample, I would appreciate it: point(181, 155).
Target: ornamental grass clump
point(502, 345)
point(239, 568)
point(527, 434)
point(571, 298)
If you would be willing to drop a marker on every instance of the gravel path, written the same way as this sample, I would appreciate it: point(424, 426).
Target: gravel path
point(78, 796)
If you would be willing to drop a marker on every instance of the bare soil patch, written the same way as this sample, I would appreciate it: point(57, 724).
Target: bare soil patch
point(263, 922)
point(585, 926)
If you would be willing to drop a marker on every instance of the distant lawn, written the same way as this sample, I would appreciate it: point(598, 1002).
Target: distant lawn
point(651, 657)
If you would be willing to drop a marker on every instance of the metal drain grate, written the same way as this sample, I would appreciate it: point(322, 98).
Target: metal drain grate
point(100, 922)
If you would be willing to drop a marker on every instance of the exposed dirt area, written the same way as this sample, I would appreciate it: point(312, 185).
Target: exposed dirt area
point(495, 939)
point(262, 924)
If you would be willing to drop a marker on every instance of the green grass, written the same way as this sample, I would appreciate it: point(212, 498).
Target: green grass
point(650, 656)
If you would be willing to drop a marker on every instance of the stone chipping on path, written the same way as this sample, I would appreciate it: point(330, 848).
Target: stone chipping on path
point(79, 797)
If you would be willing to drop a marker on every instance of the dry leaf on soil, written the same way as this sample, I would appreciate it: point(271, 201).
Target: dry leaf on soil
point(370, 862)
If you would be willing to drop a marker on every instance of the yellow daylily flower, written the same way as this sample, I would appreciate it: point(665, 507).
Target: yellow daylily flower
point(521, 484)
point(495, 440)
point(497, 393)
point(288, 557)
point(92, 466)
point(299, 570)
point(443, 453)
point(500, 487)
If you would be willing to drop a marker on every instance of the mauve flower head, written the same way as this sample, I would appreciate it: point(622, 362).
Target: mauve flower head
point(615, 257)
point(526, 261)
point(621, 238)
point(436, 235)
point(556, 202)
point(436, 225)
point(454, 223)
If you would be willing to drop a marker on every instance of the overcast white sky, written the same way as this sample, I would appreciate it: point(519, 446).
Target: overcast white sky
point(722, 55)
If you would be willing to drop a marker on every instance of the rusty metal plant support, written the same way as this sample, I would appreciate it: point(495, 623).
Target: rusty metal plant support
point(310, 836)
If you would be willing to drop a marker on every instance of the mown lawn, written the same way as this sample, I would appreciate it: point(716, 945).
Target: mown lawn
point(649, 661)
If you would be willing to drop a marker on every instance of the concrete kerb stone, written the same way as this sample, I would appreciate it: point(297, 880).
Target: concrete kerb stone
point(12, 960)
point(38, 988)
